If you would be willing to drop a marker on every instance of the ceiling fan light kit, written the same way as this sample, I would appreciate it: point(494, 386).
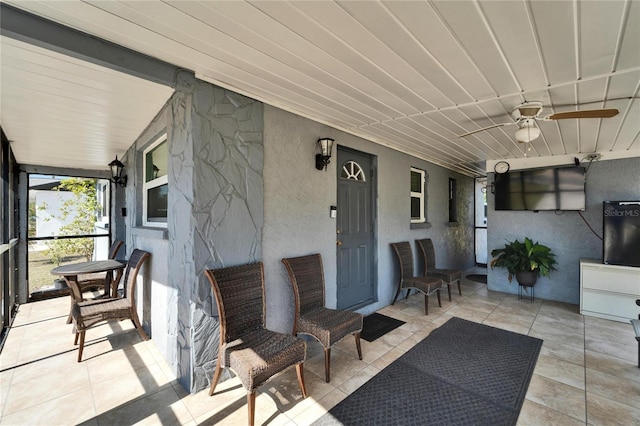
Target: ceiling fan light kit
point(528, 132)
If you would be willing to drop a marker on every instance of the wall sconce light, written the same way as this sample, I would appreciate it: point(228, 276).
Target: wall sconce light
point(117, 170)
point(323, 159)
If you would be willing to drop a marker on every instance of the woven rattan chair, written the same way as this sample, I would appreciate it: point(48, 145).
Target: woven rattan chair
point(448, 276)
point(328, 326)
point(251, 351)
point(91, 312)
point(425, 285)
point(636, 328)
point(95, 283)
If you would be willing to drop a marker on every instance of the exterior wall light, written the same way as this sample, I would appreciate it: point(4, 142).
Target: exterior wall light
point(323, 159)
point(117, 171)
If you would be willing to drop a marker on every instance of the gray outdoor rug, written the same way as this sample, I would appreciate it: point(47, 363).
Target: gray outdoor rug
point(463, 373)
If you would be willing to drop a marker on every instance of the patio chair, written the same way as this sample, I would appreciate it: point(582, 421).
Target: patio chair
point(425, 285)
point(327, 326)
point(448, 276)
point(88, 313)
point(636, 327)
point(247, 347)
point(95, 283)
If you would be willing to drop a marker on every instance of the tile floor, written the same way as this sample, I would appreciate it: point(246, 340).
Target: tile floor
point(586, 373)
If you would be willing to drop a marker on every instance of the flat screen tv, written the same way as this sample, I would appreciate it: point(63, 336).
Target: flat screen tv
point(559, 188)
point(621, 226)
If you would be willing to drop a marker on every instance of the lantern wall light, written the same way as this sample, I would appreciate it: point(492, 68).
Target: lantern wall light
point(117, 172)
point(325, 146)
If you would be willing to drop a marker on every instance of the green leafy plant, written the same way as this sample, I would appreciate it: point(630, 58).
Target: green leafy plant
point(524, 257)
point(79, 213)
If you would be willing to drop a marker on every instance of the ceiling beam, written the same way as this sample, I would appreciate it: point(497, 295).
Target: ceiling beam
point(32, 29)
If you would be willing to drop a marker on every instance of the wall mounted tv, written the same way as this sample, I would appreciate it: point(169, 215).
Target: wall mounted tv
point(559, 188)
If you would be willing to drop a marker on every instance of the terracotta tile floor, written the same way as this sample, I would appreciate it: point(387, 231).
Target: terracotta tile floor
point(586, 373)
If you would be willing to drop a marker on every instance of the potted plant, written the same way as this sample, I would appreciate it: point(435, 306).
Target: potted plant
point(527, 261)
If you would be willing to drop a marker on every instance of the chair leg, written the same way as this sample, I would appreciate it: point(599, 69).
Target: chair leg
point(449, 290)
point(138, 326)
point(327, 364)
point(75, 341)
point(426, 304)
point(251, 404)
point(439, 301)
point(300, 372)
point(408, 292)
point(459, 288)
point(397, 293)
point(216, 377)
point(357, 336)
point(81, 347)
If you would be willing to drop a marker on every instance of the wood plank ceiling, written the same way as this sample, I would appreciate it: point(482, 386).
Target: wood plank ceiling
point(411, 75)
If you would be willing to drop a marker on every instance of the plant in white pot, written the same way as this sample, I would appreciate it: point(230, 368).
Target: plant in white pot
point(527, 261)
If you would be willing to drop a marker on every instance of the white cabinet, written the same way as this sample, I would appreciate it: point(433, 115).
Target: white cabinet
point(609, 291)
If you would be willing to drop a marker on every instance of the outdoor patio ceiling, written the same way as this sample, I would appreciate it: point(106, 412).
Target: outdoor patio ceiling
point(409, 75)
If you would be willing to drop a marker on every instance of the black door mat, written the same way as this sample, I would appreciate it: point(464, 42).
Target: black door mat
point(377, 325)
point(479, 278)
point(463, 373)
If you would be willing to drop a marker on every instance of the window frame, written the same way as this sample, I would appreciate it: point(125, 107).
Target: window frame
point(154, 183)
point(420, 195)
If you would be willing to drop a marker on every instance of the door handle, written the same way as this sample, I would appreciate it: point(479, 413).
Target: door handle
point(338, 243)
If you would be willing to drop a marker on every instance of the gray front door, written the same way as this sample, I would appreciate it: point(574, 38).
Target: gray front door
point(355, 229)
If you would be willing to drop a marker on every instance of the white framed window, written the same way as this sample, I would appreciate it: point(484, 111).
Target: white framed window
point(155, 193)
point(418, 195)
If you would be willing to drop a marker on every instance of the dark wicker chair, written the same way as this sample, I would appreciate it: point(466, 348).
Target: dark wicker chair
point(95, 283)
point(448, 276)
point(88, 313)
point(425, 285)
point(327, 326)
point(247, 347)
point(636, 328)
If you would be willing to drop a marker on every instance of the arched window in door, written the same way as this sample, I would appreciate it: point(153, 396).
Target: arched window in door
point(352, 170)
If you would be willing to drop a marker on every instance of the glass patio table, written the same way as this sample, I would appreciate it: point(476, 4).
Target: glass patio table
point(71, 272)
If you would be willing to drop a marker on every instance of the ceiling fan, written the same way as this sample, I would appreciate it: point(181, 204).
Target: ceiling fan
point(527, 114)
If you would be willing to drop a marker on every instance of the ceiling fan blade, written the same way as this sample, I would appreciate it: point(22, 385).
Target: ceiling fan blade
point(485, 128)
point(592, 113)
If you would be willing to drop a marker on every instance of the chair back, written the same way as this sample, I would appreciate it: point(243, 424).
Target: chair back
point(239, 294)
point(307, 279)
point(135, 262)
point(405, 258)
point(115, 246)
point(428, 253)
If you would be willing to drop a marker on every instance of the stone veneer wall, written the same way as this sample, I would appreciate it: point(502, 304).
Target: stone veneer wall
point(215, 216)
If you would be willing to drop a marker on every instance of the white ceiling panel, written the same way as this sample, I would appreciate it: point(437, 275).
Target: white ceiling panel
point(628, 54)
point(410, 75)
point(598, 48)
point(555, 24)
point(510, 23)
point(63, 112)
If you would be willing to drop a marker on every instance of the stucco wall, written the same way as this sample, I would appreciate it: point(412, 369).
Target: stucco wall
point(566, 234)
point(156, 296)
point(298, 197)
